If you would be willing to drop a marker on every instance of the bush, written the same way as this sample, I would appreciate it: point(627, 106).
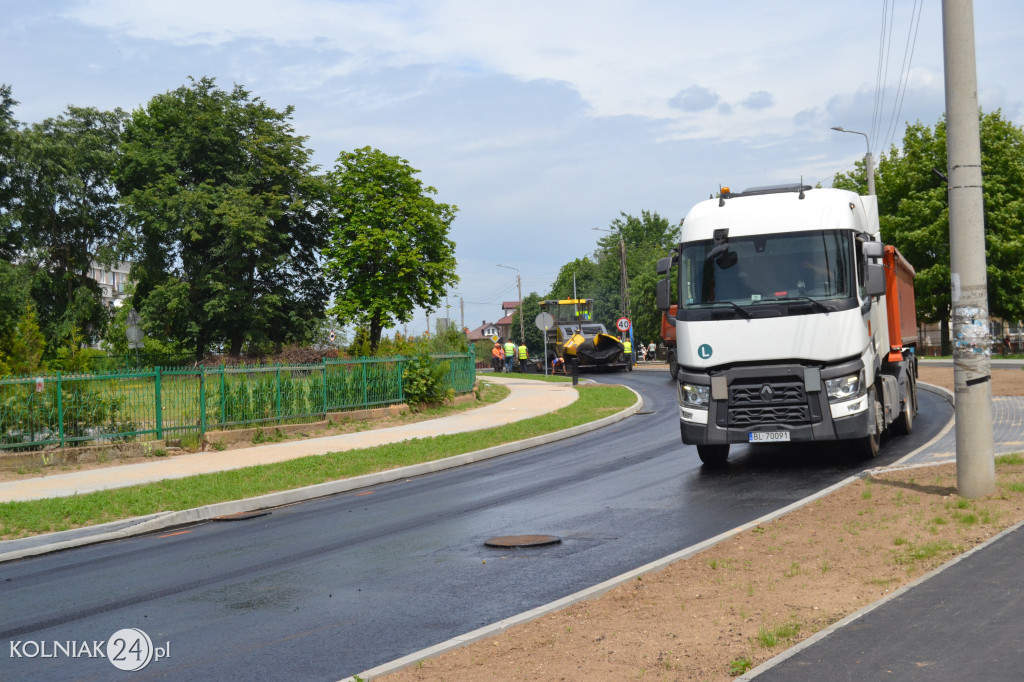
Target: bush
point(423, 380)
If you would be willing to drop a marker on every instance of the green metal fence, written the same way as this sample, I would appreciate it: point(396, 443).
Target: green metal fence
point(168, 402)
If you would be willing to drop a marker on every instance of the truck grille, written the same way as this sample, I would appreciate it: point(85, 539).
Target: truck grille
point(768, 402)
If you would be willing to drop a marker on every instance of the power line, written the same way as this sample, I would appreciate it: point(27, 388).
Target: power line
point(908, 58)
point(879, 83)
point(882, 81)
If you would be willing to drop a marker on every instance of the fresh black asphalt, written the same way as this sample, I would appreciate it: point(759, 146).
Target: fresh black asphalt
point(331, 587)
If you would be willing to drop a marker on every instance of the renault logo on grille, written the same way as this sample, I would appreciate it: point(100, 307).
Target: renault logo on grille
point(767, 393)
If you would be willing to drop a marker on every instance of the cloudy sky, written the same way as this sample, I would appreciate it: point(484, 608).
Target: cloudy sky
point(540, 120)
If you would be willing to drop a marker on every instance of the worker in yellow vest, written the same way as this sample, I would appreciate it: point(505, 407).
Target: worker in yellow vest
point(627, 350)
point(510, 355)
point(524, 355)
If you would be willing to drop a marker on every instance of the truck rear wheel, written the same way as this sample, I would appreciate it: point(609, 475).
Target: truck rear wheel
point(905, 423)
point(713, 455)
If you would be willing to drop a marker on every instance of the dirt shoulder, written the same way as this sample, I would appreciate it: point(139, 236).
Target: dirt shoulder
point(744, 601)
point(1004, 381)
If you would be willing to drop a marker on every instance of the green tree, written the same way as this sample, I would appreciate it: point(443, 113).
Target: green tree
point(25, 355)
point(914, 214)
point(66, 216)
point(389, 251)
point(647, 238)
point(229, 219)
point(580, 279)
point(534, 337)
point(8, 135)
point(13, 295)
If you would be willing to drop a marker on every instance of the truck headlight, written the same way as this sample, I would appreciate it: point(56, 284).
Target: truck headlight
point(697, 396)
point(844, 388)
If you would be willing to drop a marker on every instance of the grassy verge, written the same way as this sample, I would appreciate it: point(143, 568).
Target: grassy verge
point(19, 519)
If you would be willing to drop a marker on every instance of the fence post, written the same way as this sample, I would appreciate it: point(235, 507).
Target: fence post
point(324, 392)
point(278, 397)
point(60, 410)
point(401, 379)
point(223, 398)
point(202, 404)
point(366, 399)
point(157, 398)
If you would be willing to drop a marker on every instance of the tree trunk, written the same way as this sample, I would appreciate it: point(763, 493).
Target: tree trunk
point(200, 346)
point(375, 331)
point(945, 347)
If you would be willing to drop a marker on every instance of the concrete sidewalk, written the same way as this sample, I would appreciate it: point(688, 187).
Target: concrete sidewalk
point(527, 399)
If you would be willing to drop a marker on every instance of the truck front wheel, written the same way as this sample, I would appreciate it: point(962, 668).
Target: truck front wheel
point(713, 455)
point(869, 445)
point(673, 366)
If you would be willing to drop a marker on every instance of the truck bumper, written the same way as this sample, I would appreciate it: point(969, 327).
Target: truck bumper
point(806, 414)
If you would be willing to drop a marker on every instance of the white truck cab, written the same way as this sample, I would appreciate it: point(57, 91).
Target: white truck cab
point(782, 327)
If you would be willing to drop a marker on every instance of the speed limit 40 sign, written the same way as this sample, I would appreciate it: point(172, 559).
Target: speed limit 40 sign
point(622, 324)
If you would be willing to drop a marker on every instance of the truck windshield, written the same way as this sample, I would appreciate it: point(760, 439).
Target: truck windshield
point(788, 266)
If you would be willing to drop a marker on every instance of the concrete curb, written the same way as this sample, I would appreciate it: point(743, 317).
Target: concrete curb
point(123, 528)
point(941, 392)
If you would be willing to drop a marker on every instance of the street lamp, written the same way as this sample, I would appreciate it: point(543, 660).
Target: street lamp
point(519, 286)
point(869, 162)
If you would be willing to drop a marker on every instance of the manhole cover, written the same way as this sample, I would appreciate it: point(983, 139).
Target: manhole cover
point(515, 541)
point(241, 516)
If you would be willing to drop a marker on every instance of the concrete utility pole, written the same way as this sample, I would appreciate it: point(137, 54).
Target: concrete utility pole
point(519, 288)
point(623, 272)
point(972, 340)
point(869, 160)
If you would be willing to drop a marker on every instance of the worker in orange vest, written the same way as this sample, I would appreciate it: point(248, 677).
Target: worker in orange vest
point(497, 357)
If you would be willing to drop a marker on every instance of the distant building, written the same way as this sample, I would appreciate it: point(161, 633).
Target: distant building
point(501, 328)
point(112, 282)
point(488, 330)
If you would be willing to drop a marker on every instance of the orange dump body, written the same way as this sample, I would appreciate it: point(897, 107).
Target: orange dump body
point(899, 301)
point(668, 330)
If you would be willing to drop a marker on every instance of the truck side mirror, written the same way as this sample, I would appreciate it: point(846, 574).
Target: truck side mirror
point(872, 249)
point(662, 292)
point(664, 265)
point(874, 279)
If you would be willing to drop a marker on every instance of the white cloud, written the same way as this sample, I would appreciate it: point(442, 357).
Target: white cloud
point(621, 62)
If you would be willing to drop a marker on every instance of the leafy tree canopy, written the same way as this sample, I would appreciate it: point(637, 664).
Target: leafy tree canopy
point(64, 216)
point(914, 214)
point(229, 221)
point(534, 337)
point(646, 238)
point(389, 250)
point(8, 133)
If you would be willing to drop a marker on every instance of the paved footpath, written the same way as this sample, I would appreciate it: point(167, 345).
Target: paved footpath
point(527, 399)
